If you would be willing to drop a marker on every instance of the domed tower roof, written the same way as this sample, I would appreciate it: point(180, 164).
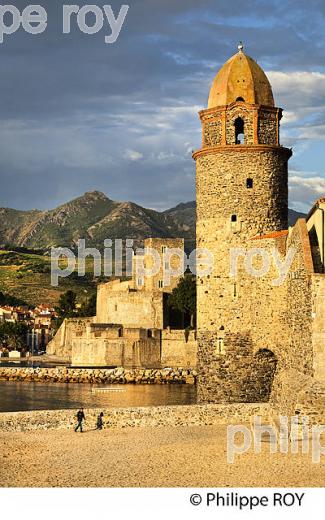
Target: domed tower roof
point(240, 79)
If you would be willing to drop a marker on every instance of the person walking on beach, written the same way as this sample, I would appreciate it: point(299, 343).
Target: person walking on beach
point(99, 424)
point(80, 419)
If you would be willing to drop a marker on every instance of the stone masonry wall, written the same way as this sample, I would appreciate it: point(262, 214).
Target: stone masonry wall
point(131, 308)
point(272, 333)
point(298, 352)
point(212, 132)
point(297, 394)
point(267, 127)
point(153, 417)
point(155, 282)
point(61, 344)
point(222, 175)
point(178, 345)
point(85, 343)
point(218, 176)
point(238, 375)
point(318, 326)
point(105, 345)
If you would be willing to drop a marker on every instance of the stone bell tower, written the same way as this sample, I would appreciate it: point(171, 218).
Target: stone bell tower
point(241, 191)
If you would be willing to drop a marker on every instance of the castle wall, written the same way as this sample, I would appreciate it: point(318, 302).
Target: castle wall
point(298, 353)
point(175, 263)
point(71, 329)
point(178, 348)
point(85, 343)
point(126, 352)
point(318, 326)
point(130, 307)
point(94, 352)
point(112, 345)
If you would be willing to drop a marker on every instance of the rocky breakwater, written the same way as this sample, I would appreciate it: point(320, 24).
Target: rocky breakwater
point(101, 375)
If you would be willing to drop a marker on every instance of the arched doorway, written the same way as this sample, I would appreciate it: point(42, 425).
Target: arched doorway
point(265, 363)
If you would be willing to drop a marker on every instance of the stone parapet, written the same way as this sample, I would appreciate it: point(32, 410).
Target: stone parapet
point(155, 417)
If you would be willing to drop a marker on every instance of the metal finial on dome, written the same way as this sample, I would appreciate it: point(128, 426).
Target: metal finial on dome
point(240, 47)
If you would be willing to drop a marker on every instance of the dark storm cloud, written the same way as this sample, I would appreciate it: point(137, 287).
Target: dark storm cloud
point(78, 114)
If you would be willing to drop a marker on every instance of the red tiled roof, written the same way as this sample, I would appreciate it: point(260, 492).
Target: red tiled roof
point(274, 234)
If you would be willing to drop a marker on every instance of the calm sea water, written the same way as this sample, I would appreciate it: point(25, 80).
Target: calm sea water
point(16, 397)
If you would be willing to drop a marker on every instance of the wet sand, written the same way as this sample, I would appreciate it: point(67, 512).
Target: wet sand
point(146, 457)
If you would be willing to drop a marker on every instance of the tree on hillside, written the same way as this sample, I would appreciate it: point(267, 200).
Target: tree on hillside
point(14, 334)
point(183, 297)
point(66, 307)
point(88, 307)
point(67, 304)
point(8, 299)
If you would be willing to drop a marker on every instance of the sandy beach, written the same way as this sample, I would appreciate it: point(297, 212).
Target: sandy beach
point(145, 457)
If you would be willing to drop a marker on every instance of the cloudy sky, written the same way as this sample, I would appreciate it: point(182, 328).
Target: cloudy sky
point(77, 114)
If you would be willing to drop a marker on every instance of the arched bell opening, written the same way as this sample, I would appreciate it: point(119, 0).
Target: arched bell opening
point(239, 131)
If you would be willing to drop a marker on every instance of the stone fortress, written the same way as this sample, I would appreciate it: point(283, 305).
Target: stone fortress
point(132, 323)
point(259, 335)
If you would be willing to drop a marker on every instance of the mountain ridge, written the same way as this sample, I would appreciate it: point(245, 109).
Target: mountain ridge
point(94, 217)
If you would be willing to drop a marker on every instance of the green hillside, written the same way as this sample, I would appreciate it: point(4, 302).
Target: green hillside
point(26, 277)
